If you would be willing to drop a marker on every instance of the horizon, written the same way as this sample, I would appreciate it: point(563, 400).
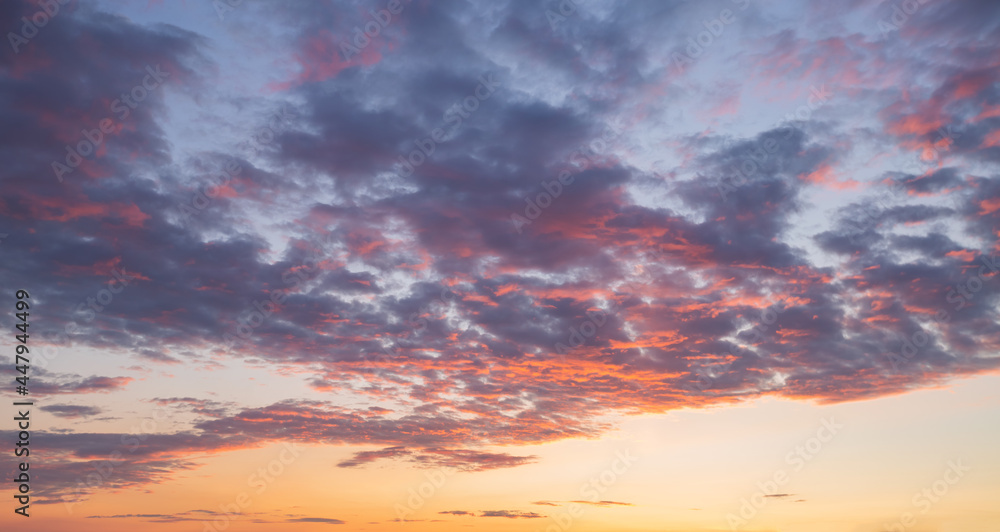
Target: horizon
point(571, 265)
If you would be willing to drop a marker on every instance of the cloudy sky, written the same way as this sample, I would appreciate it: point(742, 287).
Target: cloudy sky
point(515, 265)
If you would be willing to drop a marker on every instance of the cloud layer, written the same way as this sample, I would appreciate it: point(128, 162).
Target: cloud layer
point(496, 227)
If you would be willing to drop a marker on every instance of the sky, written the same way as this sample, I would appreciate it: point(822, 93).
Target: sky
point(553, 265)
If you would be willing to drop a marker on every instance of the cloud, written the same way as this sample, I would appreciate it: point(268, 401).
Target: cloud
point(510, 514)
point(461, 459)
point(631, 290)
point(467, 460)
point(365, 457)
point(79, 386)
point(72, 411)
point(324, 520)
point(209, 515)
point(604, 503)
point(707, 261)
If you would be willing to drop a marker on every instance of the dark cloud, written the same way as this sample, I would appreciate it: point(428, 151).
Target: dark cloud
point(365, 457)
point(68, 386)
point(604, 503)
point(510, 514)
point(72, 411)
point(209, 516)
point(324, 520)
point(415, 290)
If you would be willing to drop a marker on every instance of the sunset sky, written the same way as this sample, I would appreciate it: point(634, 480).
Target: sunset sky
point(514, 265)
